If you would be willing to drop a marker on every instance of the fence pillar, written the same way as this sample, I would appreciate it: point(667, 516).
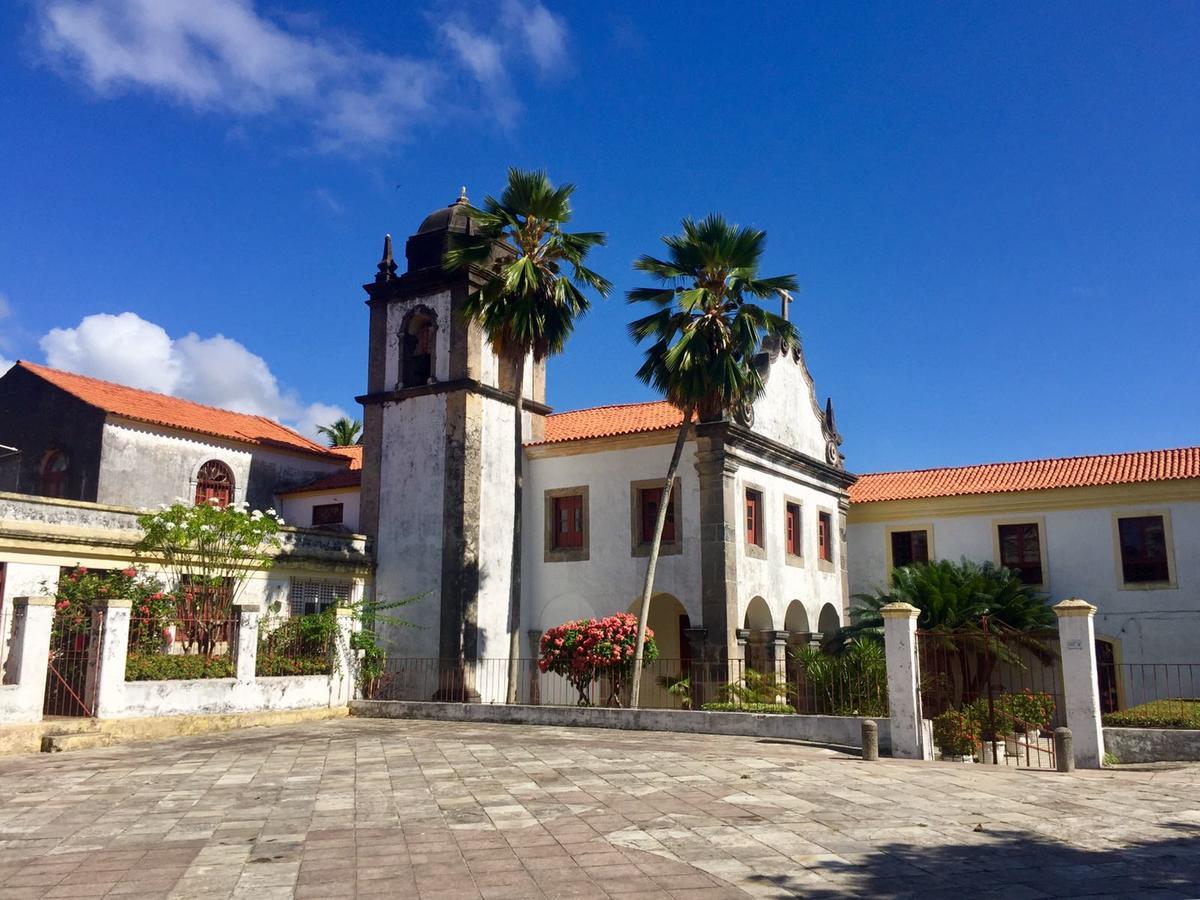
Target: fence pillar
point(28, 659)
point(345, 672)
point(1081, 684)
point(110, 620)
point(245, 654)
point(535, 651)
point(903, 675)
point(779, 651)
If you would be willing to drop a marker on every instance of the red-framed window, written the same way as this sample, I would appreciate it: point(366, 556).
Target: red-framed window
point(1021, 550)
point(754, 523)
point(648, 500)
point(568, 522)
point(792, 523)
point(825, 537)
point(1143, 542)
point(910, 547)
point(324, 514)
point(214, 481)
point(53, 477)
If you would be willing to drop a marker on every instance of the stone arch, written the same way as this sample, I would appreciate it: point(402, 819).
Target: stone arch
point(214, 482)
point(829, 621)
point(418, 345)
point(759, 626)
point(795, 620)
point(668, 619)
point(758, 616)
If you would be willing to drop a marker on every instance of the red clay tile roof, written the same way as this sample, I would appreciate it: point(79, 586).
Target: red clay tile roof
point(1030, 475)
point(349, 479)
point(352, 453)
point(161, 409)
point(610, 421)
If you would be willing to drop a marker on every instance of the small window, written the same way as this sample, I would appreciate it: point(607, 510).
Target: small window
point(825, 537)
point(307, 596)
point(909, 548)
point(648, 501)
point(1143, 542)
point(417, 345)
point(1021, 551)
point(214, 481)
point(754, 529)
point(325, 514)
point(568, 522)
point(792, 523)
point(53, 480)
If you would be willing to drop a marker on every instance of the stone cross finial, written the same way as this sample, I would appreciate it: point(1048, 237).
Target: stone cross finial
point(462, 194)
point(785, 300)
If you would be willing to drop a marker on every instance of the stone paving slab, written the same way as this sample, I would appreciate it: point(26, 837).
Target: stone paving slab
point(432, 809)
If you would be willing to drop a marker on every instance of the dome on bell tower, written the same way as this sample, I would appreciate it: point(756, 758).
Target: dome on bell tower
point(448, 218)
point(425, 248)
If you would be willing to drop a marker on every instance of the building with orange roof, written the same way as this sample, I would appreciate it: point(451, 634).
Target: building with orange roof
point(1119, 530)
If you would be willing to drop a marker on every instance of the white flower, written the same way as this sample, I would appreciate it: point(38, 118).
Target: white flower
point(278, 520)
point(271, 512)
point(256, 515)
point(206, 528)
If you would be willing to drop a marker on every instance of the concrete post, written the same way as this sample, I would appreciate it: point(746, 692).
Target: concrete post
point(28, 657)
point(870, 740)
point(345, 672)
point(779, 651)
point(111, 621)
point(245, 653)
point(534, 635)
point(1064, 752)
point(903, 675)
point(1081, 684)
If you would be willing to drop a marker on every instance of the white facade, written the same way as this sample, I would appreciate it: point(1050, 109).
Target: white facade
point(297, 508)
point(1146, 623)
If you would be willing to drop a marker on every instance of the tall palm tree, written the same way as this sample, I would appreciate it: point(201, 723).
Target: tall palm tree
point(703, 334)
point(527, 306)
point(345, 432)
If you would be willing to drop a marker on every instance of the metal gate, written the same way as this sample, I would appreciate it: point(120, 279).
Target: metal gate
point(71, 668)
point(994, 695)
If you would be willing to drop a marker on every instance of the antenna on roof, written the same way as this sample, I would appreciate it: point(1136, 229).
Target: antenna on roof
point(462, 195)
point(387, 265)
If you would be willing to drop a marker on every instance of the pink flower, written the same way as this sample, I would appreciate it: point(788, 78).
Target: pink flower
point(130, 572)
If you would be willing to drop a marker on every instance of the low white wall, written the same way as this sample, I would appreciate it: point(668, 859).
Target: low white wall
point(842, 731)
point(208, 696)
point(1146, 745)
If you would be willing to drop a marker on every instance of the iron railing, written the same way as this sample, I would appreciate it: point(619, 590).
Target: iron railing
point(1153, 692)
point(165, 648)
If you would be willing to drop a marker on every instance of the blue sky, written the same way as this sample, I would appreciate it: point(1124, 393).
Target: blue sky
point(993, 209)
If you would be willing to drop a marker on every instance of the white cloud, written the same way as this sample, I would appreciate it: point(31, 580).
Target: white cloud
point(225, 56)
point(5, 365)
point(215, 370)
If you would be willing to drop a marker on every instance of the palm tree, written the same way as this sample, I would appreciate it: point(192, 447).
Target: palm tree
point(345, 432)
point(526, 306)
point(704, 335)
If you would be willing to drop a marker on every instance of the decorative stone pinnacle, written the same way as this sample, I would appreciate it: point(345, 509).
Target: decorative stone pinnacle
point(462, 195)
point(900, 611)
point(1073, 606)
point(387, 265)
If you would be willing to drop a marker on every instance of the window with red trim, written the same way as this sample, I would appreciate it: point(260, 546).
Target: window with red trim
point(214, 481)
point(1143, 542)
point(53, 477)
point(648, 499)
point(792, 523)
point(825, 537)
point(568, 522)
point(1021, 551)
point(754, 529)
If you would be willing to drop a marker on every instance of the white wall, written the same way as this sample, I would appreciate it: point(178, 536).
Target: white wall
point(495, 528)
point(440, 304)
point(296, 509)
point(1154, 626)
point(787, 411)
point(610, 580)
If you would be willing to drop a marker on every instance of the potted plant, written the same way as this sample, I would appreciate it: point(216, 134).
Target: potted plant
point(955, 734)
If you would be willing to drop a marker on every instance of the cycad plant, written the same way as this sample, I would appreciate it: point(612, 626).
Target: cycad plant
point(533, 290)
point(702, 338)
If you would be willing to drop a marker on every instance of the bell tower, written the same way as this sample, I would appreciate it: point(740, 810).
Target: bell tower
point(437, 486)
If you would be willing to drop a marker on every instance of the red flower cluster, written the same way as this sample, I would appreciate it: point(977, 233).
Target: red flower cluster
point(588, 644)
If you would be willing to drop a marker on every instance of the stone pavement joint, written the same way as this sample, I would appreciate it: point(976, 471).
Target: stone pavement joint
point(436, 809)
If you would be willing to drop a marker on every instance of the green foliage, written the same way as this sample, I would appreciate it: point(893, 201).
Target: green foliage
point(850, 683)
point(344, 432)
point(1177, 713)
point(734, 706)
point(211, 551)
point(79, 587)
point(175, 667)
point(679, 687)
point(527, 303)
point(297, 645)
point(754, 689)
point(955, 733)
point(705, 331)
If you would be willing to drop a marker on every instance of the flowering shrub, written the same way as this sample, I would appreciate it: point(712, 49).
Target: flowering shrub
point(955, 733)
point(582, 650)
point(79, 587)
point(1028, 710)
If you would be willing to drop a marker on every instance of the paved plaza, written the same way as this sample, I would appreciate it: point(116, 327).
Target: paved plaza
point(427, 809)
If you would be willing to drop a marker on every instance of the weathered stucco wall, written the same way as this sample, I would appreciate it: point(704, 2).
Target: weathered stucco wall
point(1157, 625)
point(209, 696)
point(298, 508)
point(787, 410)
point(495, 527)
point(1147, 745)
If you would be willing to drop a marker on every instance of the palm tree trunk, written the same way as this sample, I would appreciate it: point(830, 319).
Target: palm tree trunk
point(648, 587)
point(514, 598)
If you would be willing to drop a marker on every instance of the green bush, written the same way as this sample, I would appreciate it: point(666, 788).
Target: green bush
point(850, 683)
point(297, 645)
point(1157, 714)
point(287, 665)
point(727, 706)
point(170, 667)
point(954, 733)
